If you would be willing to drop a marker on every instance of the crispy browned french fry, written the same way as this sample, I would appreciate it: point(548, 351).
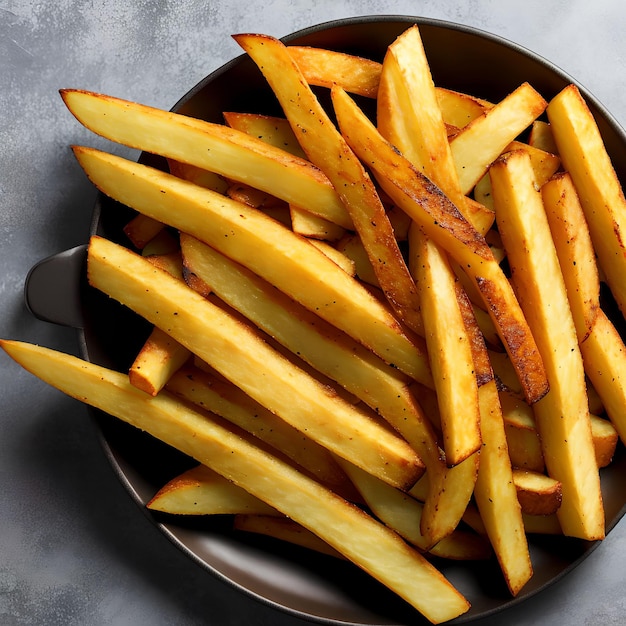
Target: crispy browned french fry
point(286, 260)
point(584, 156)
point(370, 545)
point(214, 147)
point(445, 225)
point(562, 414)
point(201, 491)
point(327, 149)
point(244, 358)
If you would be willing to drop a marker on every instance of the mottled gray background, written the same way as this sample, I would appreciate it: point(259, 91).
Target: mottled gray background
point(74, 549)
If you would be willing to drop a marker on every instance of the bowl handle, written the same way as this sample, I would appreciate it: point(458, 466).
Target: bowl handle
point(53, 287)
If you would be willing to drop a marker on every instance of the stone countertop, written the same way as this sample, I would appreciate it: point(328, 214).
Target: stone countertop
point(74, 549)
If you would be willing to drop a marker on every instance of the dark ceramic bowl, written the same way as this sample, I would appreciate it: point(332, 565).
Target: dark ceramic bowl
point(290, 579)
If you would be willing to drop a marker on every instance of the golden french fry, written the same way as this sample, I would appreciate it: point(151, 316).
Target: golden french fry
point(159, 358)
point(541, 137)
point(449, 349)
point(538, 493)
point(286, 260)
point(575, 251)
point(328, 150)
point(201, 491)
point(584, 156)
point(228, 401)
point(481, 142)
point(367, 543)
point(403, 514)
point(214, 147)
point(243, 357)
point(563, 413)
point(445, 225)
point(284, 529)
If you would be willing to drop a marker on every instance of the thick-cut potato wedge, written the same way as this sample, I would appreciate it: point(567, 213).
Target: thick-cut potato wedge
point(449, 349)
point(159, 358)
point(562, 415)
point(269, 249)
point(584, 156)
point(538, 493)
point(214, 147)
point(481, 142)
point(141, 230)
point(403, 513)
point(284, 529)
point(605, 438)
point(459, 109)
point(370, 545)
point(328, 150)
point(445, 225)
point(201, 491)
point(228, 401)
point(574, 249)
point(244, 358)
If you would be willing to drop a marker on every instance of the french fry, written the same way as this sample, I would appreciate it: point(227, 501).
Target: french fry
point(214, 147)
point(449, 349)
point(445, 225)
point(367, 543)
point(584, 156)
point(244, 358)
point(541, 137)
point(403, 513)
point(159, 358)
point(284, 529)
point(327, 149)
point(268, 248)
point(201, 491)
point(562, 414)
point(538, 494)
point(229, 402)
point(476, 146)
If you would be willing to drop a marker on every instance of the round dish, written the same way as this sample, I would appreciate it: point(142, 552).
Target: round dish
point(292, 580)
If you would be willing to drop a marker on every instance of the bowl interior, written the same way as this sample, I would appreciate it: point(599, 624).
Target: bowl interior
point(294, 580)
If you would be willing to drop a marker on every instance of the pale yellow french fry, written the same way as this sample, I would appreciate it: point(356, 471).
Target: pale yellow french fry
point(157, 361)
point(562, 414)
point(201, 491)
point(328, 150)
point(251, 238)
point(585, 158)
point(214, 147)
point(481, 142)
point(403, 514)
point(541, 137)
point(370, 545)
point(244, 358)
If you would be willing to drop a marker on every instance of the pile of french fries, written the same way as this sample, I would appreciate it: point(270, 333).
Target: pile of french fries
point(379, 338)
